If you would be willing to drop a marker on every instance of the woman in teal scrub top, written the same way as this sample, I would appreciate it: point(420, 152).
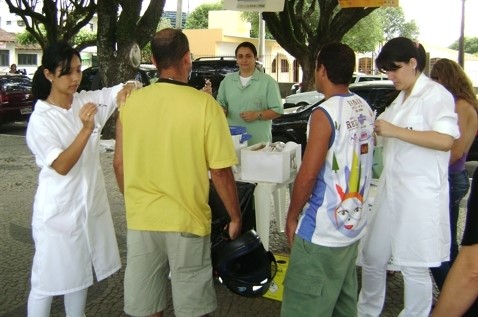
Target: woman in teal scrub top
point(250, 97)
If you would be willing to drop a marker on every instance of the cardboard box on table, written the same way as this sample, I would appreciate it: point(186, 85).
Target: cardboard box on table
point(276, 290)
point(273, 167)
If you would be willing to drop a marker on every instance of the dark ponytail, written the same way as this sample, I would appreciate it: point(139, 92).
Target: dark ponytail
point(41, 86)
point(56, 55)
point(400, 49)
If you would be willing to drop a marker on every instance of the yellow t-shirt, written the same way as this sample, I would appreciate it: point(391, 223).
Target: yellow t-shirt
point(172, 135)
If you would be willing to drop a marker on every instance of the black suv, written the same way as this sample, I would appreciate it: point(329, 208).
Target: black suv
point(91, 78)
point(212, 68)
point(292, 126)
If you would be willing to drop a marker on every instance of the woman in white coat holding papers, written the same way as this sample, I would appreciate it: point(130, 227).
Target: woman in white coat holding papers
point(411, 219)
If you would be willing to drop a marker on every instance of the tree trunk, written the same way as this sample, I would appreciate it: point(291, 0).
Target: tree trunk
point(304, 26)
point(116, 36)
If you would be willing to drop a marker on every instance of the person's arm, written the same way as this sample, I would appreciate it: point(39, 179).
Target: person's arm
point(221, 96)
point(467, 123)
point(128, 87)
point(274, 104)
point(313, 160)
point(267, 115)
point(262, 115)
point(427, 139)
point(223, 180)
point(70, 156)
point(118, 156)
point(461, 285)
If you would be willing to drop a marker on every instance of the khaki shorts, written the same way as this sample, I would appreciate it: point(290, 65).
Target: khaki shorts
point(151, 256)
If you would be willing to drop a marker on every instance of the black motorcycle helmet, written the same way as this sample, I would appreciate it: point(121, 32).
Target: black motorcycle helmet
point(244, 266)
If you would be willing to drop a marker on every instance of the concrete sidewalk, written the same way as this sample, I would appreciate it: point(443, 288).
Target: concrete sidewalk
point(18, 175)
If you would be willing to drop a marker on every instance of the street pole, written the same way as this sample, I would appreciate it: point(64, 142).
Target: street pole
point(179, 14)
point(461, 41)
point(262, 39)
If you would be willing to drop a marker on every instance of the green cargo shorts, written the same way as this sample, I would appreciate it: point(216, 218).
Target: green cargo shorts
point(320, 281)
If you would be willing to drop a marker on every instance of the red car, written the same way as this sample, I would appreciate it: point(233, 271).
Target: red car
point(16, 99)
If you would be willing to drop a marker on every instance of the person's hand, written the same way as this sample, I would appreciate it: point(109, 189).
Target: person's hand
point(87, 115)
point(126, 91)
point(249, 116)
point(384, 128)
point(234, 229)
point(207, 87)
point(290, 227)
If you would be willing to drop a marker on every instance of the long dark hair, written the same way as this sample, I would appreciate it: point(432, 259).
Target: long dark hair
point(400, 49)
point(55, 55)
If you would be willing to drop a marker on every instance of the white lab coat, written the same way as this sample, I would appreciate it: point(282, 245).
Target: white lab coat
point(413, 187)
point(72, 224)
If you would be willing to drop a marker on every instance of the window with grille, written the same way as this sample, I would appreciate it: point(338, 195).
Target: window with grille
point(4, 58)
point(365, 65)
point(27, 59)
point(284, 66)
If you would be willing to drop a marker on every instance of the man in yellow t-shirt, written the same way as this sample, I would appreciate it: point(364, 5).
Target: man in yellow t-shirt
point(169, 137)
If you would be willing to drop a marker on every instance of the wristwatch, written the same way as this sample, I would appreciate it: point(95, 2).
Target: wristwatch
point(259, 115)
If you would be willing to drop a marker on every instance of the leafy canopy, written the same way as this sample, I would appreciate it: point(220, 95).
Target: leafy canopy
point(470, 45)
point(198, 18)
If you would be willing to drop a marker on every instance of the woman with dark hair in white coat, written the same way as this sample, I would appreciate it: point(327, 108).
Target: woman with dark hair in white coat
point(410, 218)
point(72, 224)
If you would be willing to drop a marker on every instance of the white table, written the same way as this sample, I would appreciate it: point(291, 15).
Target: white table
point(262, 204)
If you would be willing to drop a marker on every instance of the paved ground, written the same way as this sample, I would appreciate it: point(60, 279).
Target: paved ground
point(18, 176)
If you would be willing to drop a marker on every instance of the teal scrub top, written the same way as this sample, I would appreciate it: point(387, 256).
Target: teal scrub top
point(260, 94)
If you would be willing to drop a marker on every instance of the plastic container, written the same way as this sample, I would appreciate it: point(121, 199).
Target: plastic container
point(239, 136)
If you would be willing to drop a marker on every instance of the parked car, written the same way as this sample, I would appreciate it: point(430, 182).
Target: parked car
point(292, 126)
point(16, 99)
point(311, 97)
point(91, 79)
point(214, 69)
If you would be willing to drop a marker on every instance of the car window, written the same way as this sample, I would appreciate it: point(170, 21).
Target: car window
point(16, 84)
point(361, 79)
point(226, 69)
point(377, 98)
point(213, 69)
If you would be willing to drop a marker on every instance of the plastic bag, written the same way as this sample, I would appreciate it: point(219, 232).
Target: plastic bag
point(220, 217)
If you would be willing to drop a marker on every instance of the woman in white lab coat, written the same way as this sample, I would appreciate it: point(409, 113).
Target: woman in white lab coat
point(410, 221)
point(72, 224)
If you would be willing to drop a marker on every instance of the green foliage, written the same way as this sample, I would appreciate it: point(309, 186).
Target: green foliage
point(146, 50)
point(25, 38)
point(380, 26)
point(81, 37)
point(394, 24)
point(198, 19)
point(253, 19)
point(366, 34)
point(470, 45)
point(84, 36)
